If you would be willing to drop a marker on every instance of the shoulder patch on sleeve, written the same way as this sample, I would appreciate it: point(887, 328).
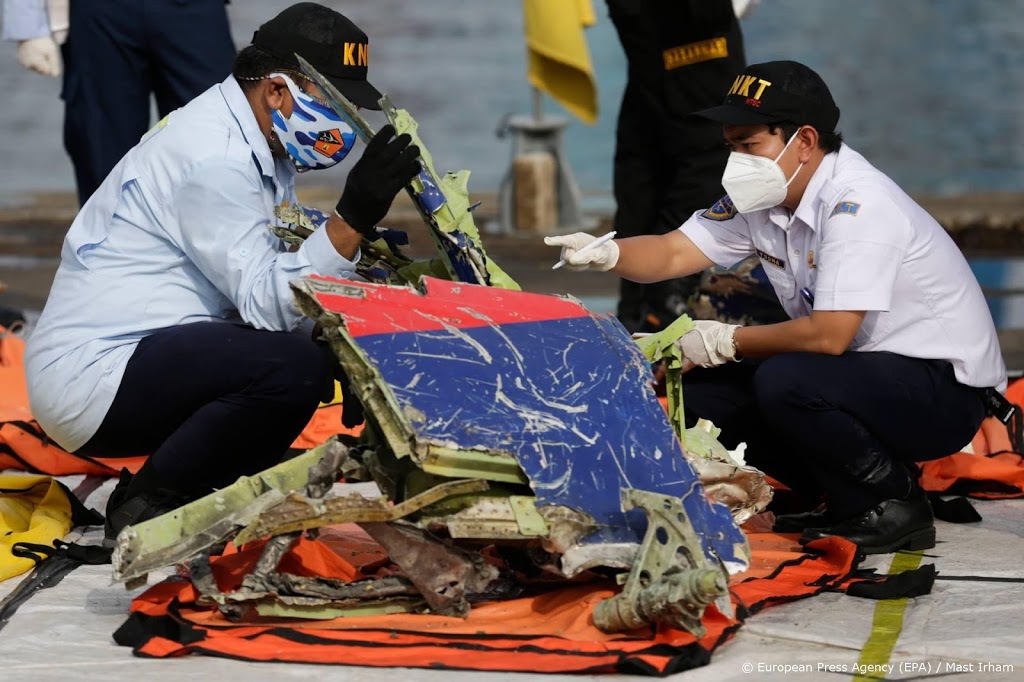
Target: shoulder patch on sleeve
point(722, 210)
point(847, 207)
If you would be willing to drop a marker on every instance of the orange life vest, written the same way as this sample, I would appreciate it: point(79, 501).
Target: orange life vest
point(994, 471)
point(24, 445)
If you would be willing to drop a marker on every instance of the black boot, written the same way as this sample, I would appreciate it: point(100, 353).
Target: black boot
point(886, 527)
point(116, 499)
point(127, 509)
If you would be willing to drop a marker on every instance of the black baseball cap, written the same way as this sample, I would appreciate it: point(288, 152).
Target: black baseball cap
point(329, 41)
point(773, 92)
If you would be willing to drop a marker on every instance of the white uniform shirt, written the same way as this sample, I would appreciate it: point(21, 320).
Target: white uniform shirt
point(858, 242)
point(176, 234)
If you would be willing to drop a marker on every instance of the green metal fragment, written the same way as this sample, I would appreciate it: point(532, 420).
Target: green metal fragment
point(662, 346)
point(276, 609)
point(454, 214)
point(186, 531)
point(298, 513)
point(530, 522)
point(486, 464)
point(702, 441)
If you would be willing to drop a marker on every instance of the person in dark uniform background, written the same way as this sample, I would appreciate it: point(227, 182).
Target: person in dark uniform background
point(682, 54)
point(116, 54)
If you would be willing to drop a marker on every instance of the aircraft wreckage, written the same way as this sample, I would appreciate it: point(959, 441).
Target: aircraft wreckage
point(515, 439)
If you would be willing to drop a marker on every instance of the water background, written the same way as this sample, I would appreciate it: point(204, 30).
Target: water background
point(932, 91)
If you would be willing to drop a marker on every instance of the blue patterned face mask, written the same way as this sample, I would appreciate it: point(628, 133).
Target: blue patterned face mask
point(314, 136)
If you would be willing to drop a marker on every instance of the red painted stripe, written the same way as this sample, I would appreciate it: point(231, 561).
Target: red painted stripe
point(390, 309)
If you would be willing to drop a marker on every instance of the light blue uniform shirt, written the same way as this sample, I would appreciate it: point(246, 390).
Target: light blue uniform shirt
point(176, 234)
point(24, 19)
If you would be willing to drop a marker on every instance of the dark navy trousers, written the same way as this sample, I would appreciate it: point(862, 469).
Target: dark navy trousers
point(119, 53)
point(845, 427)
point(213, 401)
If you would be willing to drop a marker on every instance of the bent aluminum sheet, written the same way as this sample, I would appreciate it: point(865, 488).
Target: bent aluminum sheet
point(565, 392)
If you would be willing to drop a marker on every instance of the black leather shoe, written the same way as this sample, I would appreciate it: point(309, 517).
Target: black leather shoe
point(796, 523)
point(886, 527)
point(127, 511)
point(116, 499)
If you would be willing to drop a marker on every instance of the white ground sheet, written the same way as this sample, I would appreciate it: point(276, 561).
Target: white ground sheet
point(64, 633)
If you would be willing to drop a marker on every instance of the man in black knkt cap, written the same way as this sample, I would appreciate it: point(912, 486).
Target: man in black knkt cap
point(890, 356)
point(171, 308)
point(335, 46)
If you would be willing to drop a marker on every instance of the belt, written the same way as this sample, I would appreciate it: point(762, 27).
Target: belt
point(1008, 413)
point(997, 405)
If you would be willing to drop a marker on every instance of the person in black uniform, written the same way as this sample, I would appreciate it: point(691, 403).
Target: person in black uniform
point(682, 54)
point(118, 53)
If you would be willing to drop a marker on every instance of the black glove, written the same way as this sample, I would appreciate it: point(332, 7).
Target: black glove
point(386, 166)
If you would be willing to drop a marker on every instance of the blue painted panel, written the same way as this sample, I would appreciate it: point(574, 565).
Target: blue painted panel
point(431, 198)
point(570, 398)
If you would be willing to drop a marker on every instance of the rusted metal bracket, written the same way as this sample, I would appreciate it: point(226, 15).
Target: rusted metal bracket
point(444, 574)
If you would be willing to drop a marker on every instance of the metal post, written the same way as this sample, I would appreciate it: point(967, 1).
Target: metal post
point(537, 132)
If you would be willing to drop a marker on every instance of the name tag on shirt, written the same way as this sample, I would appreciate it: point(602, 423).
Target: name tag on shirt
point(768, 258)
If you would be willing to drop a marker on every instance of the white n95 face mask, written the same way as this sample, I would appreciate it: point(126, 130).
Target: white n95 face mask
point(755, 182)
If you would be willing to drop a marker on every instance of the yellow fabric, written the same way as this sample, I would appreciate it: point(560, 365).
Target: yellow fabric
point(587, 16)
point(32, 509)
point(558, 60)
point(336, 400)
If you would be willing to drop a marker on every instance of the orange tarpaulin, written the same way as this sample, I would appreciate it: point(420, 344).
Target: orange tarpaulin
point(550, 632)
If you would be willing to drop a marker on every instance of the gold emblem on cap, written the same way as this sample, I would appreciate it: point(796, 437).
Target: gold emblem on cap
point(741, 86)
point(357, 57)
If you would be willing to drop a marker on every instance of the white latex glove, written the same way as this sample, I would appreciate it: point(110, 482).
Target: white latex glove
point(603, 257)
point(743, 7)
point(40, 55)
point(708, 344)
